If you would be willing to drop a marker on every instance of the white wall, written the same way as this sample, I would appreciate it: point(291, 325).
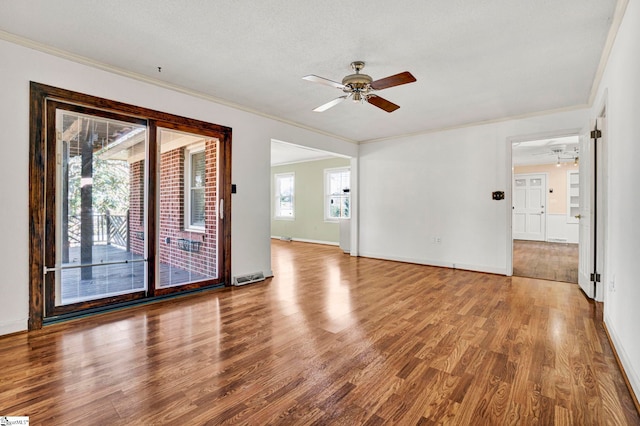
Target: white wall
point(417, 188)
point(252, 136)
point(558, 230)
point(620, 90)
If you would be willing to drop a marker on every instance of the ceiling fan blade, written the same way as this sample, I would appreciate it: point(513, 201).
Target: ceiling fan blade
point(331, 104)
point(382, 103)
point(321, 80)
point(394, 80)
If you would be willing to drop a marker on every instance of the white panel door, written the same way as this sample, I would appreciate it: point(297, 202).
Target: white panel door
point(585, 228)
point(529, 207)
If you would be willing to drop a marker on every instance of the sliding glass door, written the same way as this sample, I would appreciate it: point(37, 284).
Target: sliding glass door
point(95, 198)
point(188, 209)
point(127, 204)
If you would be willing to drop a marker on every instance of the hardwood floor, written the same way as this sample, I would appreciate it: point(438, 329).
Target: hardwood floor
point(546, 261)
point(330, 340)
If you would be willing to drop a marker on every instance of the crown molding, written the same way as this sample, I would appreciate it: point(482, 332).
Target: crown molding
point(479, 123)
point(12, 38)
point(618, 15)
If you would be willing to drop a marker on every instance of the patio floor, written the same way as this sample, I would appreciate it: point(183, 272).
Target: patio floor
point(106, 280)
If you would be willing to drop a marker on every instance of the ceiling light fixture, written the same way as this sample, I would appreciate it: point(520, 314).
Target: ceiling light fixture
point(575, 161)
point(360, 88)
point(558, 163)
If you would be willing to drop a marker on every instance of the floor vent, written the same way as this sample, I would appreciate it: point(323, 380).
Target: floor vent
point(248, 279)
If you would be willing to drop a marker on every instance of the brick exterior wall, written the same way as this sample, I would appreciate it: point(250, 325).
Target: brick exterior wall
point(136, 210)
point(171, 207)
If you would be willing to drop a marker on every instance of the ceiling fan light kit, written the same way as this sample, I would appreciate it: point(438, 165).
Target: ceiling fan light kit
point(360, 87)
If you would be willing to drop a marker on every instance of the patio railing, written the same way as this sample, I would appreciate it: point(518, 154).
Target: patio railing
point(108, 229)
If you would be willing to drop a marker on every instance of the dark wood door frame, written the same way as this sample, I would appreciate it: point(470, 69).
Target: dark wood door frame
point(40, 184)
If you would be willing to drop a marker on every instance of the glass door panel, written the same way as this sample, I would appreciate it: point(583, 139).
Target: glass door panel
point(125, 204)
point(100, 187)
point(187, 226)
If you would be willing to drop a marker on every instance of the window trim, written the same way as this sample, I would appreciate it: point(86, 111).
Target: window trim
point(327, 196)
point(189, 151)
point(277, 195)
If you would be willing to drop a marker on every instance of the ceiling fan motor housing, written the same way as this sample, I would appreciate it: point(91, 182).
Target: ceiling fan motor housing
point(357, 82)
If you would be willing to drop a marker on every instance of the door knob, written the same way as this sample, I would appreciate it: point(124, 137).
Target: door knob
point(578, 216)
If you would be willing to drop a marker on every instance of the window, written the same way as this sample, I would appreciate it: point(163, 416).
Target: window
point(194, 168)
point(284, 195)
point(337, 198)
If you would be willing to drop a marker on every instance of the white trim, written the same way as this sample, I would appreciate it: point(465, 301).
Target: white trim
point(605, 167)
point(305, 240)
point(437, 263)
point(481, 123)
point(16, 326)
point(276, 196)
point(627, 365)
point(571, 218)
point(327, 196)
point(310, 160)
point(188, 153)
point(618, 15)
point(354, 206)
point(508, 196)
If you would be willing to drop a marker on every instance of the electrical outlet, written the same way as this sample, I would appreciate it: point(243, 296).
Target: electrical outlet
point(612, 282)
point(437, 240)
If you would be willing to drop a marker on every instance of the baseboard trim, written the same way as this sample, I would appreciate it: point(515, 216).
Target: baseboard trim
point(621, 361)
point(407, 260)
point(305, 240)
point(437, 263)
point(13, 327)
point(14, 334)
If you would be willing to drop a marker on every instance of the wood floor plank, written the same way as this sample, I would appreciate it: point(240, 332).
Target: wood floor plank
point(546, 261)
point(330, 339)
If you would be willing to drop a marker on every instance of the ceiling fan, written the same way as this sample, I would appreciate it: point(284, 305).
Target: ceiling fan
point(561, 152)
point(360, 87)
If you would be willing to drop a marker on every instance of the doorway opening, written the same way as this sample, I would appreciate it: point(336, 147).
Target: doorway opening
point(313, 195)
point(127, 205)
point(545, 208)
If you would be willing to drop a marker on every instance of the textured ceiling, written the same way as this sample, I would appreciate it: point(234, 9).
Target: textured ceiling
point(474, 60)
